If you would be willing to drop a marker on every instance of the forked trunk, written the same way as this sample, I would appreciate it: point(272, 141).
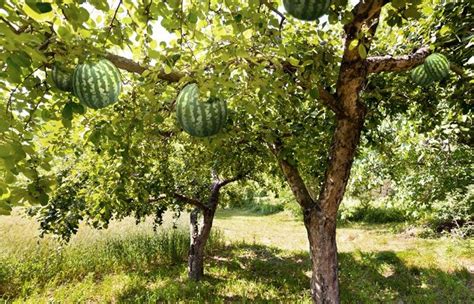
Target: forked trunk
point(199, 239)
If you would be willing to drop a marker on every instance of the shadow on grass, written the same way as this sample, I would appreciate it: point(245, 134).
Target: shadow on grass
point(257, 274)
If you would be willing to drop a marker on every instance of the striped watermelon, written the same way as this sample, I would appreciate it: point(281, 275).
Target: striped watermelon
point(420, 76)
point(200, 119)
point(62, 78)
point(307, 10)
point(437, 66)
point(96, 84)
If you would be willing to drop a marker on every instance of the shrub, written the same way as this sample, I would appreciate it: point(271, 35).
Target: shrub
point(370, 214)
point(454, 215)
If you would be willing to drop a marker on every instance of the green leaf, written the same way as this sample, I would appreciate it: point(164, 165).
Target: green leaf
point(192, 18)
point(5, 209)
point(314, 93)
point(294, 61)
point(33, 12)
point(78, 108)
point(67, 111)
point(353, 44)
point(43, 7)
point(66, 123)
point(362, 51)
point(6, 150)
point(4, 125)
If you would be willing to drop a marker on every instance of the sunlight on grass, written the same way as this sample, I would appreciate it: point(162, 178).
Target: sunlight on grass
point(265, 259)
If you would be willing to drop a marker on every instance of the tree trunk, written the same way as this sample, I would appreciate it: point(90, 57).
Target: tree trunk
point(199, 239)
point(321, 222)
point(323, 250)
point(198, 244)
point(199, 236)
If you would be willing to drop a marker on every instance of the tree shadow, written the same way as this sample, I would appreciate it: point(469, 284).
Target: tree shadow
point(259, 274)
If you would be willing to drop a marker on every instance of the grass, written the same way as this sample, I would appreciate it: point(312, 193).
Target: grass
point(264, 259)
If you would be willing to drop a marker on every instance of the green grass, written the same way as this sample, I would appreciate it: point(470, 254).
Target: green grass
point(264, 259)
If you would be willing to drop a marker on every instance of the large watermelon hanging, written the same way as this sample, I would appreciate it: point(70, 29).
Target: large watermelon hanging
point(437, 66)
point(96, 84)
point(62, 78)
point(200, 119)
point(420, 76)
point(307, 10)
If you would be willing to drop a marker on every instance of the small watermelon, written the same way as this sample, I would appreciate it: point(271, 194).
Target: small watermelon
point(198, 118)
point(62, 78)
point(437, 66)
point(307, 10)
point(97, 84)
point(420, 76)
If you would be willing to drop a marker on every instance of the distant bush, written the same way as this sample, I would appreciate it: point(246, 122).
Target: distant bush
point(371, 214)
point(267, 208)
point(454, 215)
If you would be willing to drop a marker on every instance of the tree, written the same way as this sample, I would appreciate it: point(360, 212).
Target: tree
point(294, 88)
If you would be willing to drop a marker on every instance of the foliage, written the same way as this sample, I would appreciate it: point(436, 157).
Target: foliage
point(454, 215)
point(370, 214)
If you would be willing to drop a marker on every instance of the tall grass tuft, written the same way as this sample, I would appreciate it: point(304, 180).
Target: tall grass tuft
point(46, 264)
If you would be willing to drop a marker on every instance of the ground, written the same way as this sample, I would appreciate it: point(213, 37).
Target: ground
point(252, 258)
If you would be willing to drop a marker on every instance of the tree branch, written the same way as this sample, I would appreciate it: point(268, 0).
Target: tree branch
point(10, 98)
point(190, 201)
point(271, 8)
point(396, 64)
point(330, 101)
point(133, 67)
point(12, 28)
point(293, 178)
point(233, 179)
point(457, 69)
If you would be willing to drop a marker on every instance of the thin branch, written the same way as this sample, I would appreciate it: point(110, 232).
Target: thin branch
point(271, 8)
point(15, 30)
point(12, 93)
point(190, 201)
point(330, 101)
point(293, 178)
point(233, 179)
point(112, 22)
point(457, 69)
point(30, 118)
point(397, 64)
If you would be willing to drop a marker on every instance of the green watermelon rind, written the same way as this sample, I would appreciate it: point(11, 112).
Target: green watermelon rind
point(307, 10)
point(97, 84)
point(62, 78)
point(420, 76)
point(199, 119)
point(437, 66)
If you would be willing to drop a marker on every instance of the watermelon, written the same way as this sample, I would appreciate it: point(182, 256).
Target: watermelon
point(97, 84)
point(198, 118)
point(307, 10)
point(437, 66)
point(62, 78)
point(420, 76)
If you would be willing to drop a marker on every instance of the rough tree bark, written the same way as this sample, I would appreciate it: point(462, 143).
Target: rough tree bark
point(200, 233)
point(199, 236)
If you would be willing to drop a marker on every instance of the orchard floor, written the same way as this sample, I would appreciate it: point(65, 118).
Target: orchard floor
point(254, 259)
